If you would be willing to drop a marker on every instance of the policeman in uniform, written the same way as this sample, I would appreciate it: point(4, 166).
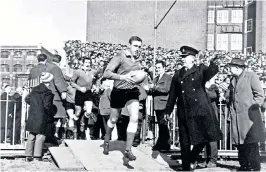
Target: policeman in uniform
point(197, 122)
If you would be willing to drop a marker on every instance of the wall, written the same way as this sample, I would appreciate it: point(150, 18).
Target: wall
point(261, 26)
point(116, 21)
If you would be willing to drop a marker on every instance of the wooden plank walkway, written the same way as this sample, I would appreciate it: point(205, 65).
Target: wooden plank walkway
point(65, 159)
point(89, 152)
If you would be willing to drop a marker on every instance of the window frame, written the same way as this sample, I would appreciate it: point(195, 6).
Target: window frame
point(220, 16)
point(6, 67)
point(210, 44)
point(15, 67)
point(234, 18)
point(211, 18)
point(235, 42)
point(220, 42)
point(246, 25)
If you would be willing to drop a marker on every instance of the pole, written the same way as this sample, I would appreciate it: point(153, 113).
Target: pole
point(156, 26)
point(244, 29)
point(215, 25)
point(155, 39)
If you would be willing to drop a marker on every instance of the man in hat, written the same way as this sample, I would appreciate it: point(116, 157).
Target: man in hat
point(246, 95)
point(197, 122)
point(40, 119)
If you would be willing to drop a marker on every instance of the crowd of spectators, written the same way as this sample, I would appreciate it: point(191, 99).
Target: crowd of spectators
point(101, 53)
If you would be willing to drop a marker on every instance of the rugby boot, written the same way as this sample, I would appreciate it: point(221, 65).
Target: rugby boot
point(105, 148)
point(129, 155)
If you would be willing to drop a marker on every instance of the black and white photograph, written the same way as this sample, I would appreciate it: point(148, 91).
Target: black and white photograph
point(133, 85)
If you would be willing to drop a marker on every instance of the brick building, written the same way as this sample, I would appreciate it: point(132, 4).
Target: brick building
point(238, 25)
point(16, 62)
point(116, 21)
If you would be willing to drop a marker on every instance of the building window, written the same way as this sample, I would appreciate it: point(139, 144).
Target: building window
point(5, 54)
point(17, 68)
point(236, 42)
point(222, 42)
point(211, 16)
point(210, 42)
point(222, 16)
point(31, 55)
point(237, 16)
point(4, 68)
point(18, 54)
point(6, 80)
point(249, 25)
point(249, 50)
point(29, 67)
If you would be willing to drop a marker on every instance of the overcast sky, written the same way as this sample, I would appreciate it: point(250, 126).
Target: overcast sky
point(50, 22)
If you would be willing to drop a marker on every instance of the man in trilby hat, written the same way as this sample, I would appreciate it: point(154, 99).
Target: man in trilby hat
point(246, 95)
point(197, 122)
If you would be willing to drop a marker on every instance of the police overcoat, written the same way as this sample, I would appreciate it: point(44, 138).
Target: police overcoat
point(196, 117)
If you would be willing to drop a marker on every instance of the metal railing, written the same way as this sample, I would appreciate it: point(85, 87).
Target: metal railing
point(149, 127)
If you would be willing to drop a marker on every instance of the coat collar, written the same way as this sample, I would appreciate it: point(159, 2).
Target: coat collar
point(240, 79)
point(184, 73)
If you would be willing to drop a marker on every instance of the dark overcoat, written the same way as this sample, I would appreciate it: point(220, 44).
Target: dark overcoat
point(57, 86)
point(41, 111)
point(196, 117)
point(246, 97)
point(37, 70)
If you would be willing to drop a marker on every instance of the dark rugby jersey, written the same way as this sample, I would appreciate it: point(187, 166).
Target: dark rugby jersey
point(84, 78)
point(121, 64)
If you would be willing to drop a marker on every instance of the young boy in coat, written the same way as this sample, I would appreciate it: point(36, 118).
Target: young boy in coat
point(40, 119)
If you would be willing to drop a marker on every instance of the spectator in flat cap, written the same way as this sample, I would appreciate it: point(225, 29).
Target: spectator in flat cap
point(246, 95)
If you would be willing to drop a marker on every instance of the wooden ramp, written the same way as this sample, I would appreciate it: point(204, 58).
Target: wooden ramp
point(88, 154)
point(65, 159)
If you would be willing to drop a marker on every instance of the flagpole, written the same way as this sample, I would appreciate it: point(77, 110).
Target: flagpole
point(155, 38)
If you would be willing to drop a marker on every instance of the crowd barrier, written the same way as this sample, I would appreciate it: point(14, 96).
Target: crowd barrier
point(149, 127)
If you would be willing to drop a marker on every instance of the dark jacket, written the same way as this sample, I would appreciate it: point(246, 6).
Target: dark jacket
point(160, 91)
point(37, 70)
point(6, 109)
point(17, 103)
point(196, 117)
point(213, 93)
point(41, 110)
point(57, 86)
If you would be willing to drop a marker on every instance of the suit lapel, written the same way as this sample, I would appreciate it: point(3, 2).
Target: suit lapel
point(156, 79)
point(190, 71)
point(161, 79)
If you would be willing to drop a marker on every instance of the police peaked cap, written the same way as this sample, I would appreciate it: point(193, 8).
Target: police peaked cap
point(186, 50)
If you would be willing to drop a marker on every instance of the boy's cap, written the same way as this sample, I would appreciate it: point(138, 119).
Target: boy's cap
point(46, 77)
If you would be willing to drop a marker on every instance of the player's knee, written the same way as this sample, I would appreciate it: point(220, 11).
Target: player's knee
point(132, 127)
point(134, 118)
